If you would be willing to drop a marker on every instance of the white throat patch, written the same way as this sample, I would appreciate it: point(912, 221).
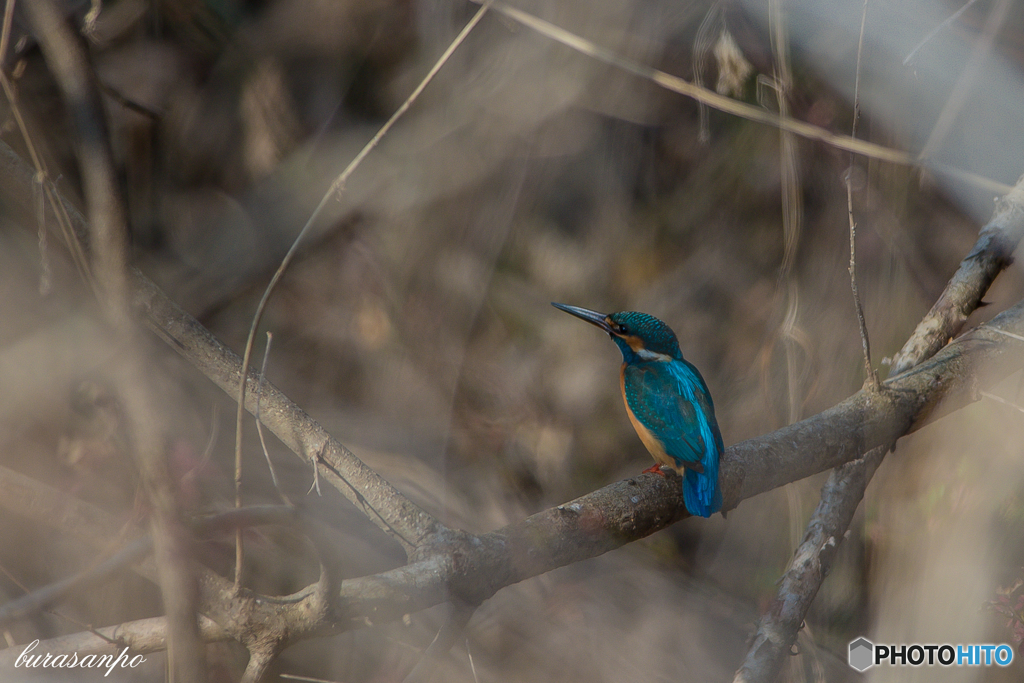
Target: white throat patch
point(646, 354)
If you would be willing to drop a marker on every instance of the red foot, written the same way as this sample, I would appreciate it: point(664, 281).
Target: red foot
point(654, 469)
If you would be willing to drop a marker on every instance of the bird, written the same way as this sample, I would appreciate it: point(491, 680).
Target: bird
point(667, 402)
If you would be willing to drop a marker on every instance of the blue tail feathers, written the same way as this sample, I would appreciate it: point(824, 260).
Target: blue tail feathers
point(701, 492)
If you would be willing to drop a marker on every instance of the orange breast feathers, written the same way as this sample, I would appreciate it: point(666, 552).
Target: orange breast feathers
point(653, 445)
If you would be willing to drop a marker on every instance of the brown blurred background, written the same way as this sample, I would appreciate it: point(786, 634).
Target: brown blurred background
point(415, 322)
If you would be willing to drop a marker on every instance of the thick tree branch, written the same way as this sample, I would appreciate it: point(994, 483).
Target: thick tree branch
point(845, 487)
point(799, 450)
point(475, 567)
point(472, 568)
point(629, 510)
point(991, 254)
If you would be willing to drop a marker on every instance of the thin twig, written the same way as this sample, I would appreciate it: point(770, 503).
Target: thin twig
point(1000, 399)
point(1011, 335)
point(869, 370)
point(40, 187)
point(792, 207)
point(336, 187)
point(207, 455)
point(41, 178)
point(315, 484)
point(259, 424)
point(382, 503)
point(472, 666)
point(702, 44)
point(305, 679)
point(39, 190)
point(931, 34)
point(5, 37)
point(454, 626)
point(967, 79)
point(735, 107)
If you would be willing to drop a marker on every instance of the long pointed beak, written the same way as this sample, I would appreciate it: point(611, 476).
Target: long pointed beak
point(592, 317)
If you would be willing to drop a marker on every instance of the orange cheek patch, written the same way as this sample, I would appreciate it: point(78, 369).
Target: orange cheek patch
point(634, 343)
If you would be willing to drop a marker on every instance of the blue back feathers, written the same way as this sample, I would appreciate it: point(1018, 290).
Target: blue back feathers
point(668, 396)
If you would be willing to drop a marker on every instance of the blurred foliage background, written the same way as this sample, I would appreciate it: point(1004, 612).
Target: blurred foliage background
point(415, 323)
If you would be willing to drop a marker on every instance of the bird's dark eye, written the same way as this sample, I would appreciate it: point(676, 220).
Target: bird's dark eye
point(623, 329)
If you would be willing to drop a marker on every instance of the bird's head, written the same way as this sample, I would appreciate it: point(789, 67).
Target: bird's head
point(640, 337)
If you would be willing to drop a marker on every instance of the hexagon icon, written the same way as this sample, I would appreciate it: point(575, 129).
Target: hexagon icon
point(862, 654)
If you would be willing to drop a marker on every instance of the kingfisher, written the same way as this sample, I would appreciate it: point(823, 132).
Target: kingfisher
point(667, 402)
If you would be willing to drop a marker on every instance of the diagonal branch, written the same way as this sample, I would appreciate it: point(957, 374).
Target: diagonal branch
point(388, 508)
point(380, 501)
point(470, 568)
point(991, 254)
point(737, 108)
point(633, 509)
point(474, 568)
point(846, 485)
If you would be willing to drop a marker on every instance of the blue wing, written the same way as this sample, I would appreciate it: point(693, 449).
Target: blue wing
point(672, 401)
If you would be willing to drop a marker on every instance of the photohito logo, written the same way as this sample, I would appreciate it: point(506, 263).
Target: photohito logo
point(864, 654)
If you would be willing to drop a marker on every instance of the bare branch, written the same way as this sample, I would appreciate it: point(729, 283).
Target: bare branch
point(453, 628)
point(968, 78)
point(472, 568)
point(381, 502)
point(731, 106)
point(869, 370)
point(991, 254)
point(935, 31)
point(41, 599)
point(846, 485)
point(811, 563)
point(263, 624)
point(628, 510)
